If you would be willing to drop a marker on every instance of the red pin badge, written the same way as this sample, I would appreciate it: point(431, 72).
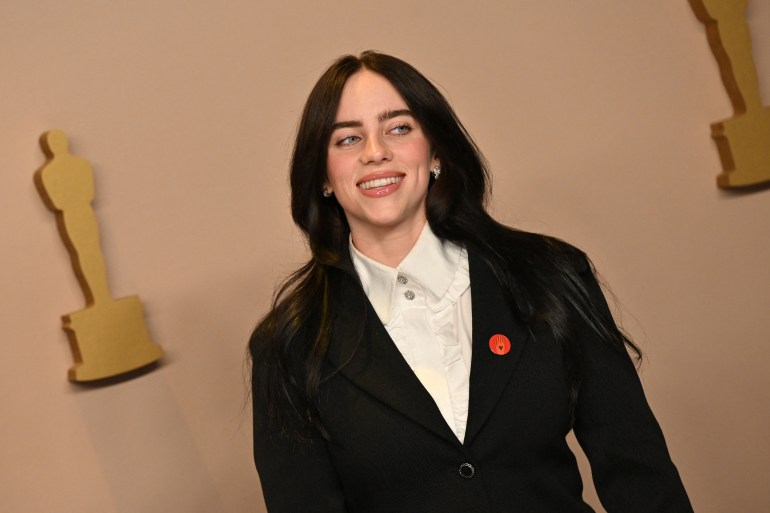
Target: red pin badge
point(499, 344)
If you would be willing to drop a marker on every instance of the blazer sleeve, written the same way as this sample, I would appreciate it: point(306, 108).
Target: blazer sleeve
point(630, 463)
point(294, 465)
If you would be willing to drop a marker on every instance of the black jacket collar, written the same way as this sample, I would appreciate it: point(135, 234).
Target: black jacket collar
point(371, 361)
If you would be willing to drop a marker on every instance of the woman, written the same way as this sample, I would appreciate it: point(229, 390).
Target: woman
point(427, 358)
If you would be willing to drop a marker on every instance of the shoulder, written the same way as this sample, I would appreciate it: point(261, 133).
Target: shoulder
point(262, 334)
point(263, 351)
point(530, 251)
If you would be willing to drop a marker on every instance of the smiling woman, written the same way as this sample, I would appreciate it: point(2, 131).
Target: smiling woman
point(428, 358)
point(378, 167)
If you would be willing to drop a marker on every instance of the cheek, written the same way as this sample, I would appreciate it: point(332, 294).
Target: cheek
point(337, 167)
point(421, 153)
point(334, 168)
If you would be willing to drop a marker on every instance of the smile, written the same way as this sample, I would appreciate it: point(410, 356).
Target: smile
point(379, 182)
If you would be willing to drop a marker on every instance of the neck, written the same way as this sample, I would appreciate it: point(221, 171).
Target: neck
point(387, 246)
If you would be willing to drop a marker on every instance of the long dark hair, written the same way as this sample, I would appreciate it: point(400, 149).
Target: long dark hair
point(541, 275)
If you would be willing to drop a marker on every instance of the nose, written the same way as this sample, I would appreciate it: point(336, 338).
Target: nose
point(375, 150)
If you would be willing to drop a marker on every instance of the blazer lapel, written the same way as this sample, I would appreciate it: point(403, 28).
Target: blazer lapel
point(371, 361)
point(490, 372)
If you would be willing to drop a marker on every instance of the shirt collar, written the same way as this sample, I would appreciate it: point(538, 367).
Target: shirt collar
point(431, 262)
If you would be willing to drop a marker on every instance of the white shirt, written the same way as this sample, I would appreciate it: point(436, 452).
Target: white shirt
point(425, 305)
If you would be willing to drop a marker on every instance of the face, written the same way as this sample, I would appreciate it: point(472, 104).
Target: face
point(379, 159)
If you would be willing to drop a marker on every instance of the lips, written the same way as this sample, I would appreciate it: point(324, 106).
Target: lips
point(379, 182)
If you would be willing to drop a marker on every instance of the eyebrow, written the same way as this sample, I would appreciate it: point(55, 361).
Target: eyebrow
point(390, 114)
point(384, 116)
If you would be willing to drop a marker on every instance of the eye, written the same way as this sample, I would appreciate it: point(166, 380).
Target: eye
point(347, 141)
point(401, 129)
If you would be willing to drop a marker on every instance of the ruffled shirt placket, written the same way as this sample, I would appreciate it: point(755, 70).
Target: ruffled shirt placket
point(424, 304)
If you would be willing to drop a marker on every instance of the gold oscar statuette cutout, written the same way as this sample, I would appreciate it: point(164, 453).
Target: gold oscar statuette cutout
point(743, 141)
point(108, 337)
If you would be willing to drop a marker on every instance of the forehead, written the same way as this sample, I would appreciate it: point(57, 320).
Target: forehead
point(367, 94)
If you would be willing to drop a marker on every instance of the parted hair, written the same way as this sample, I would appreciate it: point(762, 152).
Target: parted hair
point(541, 275)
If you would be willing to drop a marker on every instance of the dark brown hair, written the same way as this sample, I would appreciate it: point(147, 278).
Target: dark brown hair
point(543, 277)
point(464, 177)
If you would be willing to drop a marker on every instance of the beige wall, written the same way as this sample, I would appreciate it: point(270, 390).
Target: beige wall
point(595, 118)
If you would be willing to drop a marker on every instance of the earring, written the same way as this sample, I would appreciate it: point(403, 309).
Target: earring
point(436, 171)
point(326, 192)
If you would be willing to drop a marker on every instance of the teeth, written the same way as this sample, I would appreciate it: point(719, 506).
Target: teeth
point(380, 182)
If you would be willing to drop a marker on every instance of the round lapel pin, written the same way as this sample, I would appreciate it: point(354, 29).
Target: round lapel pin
point(499, 344)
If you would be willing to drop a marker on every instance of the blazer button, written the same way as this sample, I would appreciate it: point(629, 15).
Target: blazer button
point(466, 470)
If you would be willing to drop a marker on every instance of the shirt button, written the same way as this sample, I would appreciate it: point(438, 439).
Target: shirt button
point(467, 470)
point(409, 295)
point(402, 279)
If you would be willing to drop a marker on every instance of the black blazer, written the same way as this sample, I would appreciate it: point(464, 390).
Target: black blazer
point(391, 451)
